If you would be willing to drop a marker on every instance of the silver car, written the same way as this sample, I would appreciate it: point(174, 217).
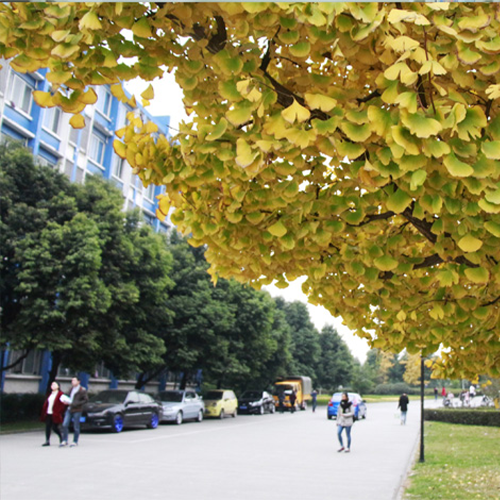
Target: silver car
point(181, 405)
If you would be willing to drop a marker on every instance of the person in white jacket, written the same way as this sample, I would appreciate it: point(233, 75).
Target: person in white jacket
point(345, 420)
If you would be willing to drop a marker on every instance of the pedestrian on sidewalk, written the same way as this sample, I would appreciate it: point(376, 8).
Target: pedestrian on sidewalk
point(314, 395)
point(78, 397)
point(293, 398)
point(403, 404)
point(345, 420)
point(53, 412)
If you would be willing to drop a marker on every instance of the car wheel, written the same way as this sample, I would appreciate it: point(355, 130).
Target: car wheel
point(261, 410)
point(199, 418)
point(117, 423)
point(234, 414)
point(329, 417)
point(178, 418)
point(154, 420)
point(221, 414)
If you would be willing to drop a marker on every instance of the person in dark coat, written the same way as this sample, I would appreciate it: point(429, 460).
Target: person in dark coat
point(53, 413)
point(78, 397)
point(293, 398)
point(403, 404)
point(281, 399)
point(314, 396)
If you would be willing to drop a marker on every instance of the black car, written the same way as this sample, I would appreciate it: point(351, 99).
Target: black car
point(116, 409)
point(256, 402)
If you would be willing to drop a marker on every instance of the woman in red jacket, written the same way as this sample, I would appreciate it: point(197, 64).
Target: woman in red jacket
point(53, 412)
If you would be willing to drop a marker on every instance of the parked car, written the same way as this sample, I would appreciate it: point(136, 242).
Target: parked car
point(181, 405)
point(220, 403)
point(357, 401)
point(116, 409)
point(256, 402)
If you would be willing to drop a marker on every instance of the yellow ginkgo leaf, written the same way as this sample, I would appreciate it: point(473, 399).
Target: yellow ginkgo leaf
point(149, 93)
point(295, 112)
point(89, 97)
point(90, 21)
point(322, 102)
point(43, 99)
point(77, 121)
point(469, 243)
point(277, 229)
point(120, 148)
point(142, 28)
point(118, 92)
point(244, 153)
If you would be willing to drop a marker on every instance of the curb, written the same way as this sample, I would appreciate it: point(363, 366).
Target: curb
point(398, 494)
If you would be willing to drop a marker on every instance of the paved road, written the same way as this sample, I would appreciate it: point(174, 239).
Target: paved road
point(265, 457)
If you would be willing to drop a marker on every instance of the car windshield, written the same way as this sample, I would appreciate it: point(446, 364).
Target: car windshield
point(114, 397)
point(282, 388)
point(214, 395)
point(251, 395)
point(170, 396)
point(338, 396)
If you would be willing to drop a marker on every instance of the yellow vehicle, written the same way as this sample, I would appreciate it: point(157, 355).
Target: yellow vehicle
point(283, 388)
point(220, 403)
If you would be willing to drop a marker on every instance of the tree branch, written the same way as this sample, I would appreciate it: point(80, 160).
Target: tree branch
point(23, 357)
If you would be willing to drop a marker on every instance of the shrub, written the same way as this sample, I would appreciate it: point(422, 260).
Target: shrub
point(467, 416)
point(20, 407)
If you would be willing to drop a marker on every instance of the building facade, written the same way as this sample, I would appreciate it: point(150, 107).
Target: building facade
point(77, 153)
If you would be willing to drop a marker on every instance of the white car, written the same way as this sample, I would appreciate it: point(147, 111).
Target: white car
point(181, 405)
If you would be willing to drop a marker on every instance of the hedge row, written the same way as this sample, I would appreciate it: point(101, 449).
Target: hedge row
point(398, 388)
point(464, 416)
point(20, 407)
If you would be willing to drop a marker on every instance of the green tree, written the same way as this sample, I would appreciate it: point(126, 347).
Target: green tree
point(305, 348)
point(230, 331)
point(79, 277)
point(335, 367)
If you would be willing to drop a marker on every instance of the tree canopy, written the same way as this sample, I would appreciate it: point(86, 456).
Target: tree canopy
point(356, 144)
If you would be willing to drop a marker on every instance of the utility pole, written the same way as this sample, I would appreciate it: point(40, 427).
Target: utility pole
point(422, 459)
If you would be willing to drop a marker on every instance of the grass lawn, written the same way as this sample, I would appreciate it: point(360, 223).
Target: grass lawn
point(21, 427)
point(462, 462)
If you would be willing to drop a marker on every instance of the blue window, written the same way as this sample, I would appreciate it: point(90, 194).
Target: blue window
point(97, 149)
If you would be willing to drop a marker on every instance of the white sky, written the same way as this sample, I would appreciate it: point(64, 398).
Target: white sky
point(168, 101)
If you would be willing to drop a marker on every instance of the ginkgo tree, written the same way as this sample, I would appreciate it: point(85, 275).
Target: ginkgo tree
point(357, 144)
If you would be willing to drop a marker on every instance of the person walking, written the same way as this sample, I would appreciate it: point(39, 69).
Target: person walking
point(345, 420)
point(472, 391)
point(53, 412)
point(293, 398)
point(281, 400)
point(78, 397)
point(435, 393)
point(314, 395)
point(403, 404)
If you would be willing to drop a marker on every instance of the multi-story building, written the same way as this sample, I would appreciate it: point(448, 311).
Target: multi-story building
point(77, 153)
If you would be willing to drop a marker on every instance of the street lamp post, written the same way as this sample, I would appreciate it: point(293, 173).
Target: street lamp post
point(422, 459)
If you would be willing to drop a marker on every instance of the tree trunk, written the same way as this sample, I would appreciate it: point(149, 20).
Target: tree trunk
point(144, 378)
point(56, 362)
point(184, 380)
point(140, 381)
